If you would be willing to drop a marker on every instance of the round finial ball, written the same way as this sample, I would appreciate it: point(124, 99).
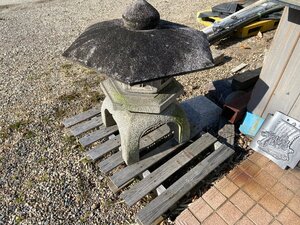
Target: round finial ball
point(140, 15)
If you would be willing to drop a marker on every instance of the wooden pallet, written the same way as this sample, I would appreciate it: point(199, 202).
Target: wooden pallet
point(162, 154)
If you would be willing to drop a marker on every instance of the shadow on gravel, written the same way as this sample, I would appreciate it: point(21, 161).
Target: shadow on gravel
point(14, 3)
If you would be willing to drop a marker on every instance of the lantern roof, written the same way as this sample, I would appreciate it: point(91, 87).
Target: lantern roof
point(140, 47)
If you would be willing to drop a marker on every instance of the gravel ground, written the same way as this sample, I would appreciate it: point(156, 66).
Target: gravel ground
point(42, 177)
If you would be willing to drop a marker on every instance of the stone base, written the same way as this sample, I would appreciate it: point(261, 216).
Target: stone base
point(133, 125)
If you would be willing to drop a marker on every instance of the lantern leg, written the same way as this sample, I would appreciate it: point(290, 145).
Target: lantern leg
point(106, 115)
point(132, 126)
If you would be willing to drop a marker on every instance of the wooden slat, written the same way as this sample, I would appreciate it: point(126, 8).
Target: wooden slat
point(115, 189)
point(160, 189)
point(182, 186)
point(86, 126)
point(148, 184)
point(116, 159)
point(82, 116)
point(120, 178)
point(239, 67)
point(97, 135)
point(154, 136)
point(101, 149)
point(111, 162)
point(274, 65)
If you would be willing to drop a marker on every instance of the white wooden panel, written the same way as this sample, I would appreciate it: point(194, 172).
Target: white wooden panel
point(295, 111)
point(287, 91)
point(275, 63)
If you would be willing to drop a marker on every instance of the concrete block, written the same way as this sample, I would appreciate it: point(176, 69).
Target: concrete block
point(246, 80)
point(201, 113)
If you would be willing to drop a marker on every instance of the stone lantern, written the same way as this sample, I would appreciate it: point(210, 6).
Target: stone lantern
point(141, 54)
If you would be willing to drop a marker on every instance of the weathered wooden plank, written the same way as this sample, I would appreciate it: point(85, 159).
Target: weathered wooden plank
point(154, 136)
point(97, 135)
point(123, 176)
point(160, 189)
point(101, 149)
point(111, 162)
point(182, 186)
point(116, 159)
point(288, 89)
point(148, 184)
point(239, 67)
point(82, 116)
point(86, 126)
point(275, 62)
point(115, 189)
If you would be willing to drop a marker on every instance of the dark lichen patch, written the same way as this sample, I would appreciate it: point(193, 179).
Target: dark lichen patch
point(71, 144)
point(82, 149)
point(43, 178)
point(92, 98)
point(88, 71)
point(84, 218)
point(66, 66)
point(3, 135)
point(95, 96)
point(34, 77)
point(83, 183)
point(46, 119)
point(82, 83)
point(42, 160)
point(69, 97)
point(89, 82)
point(28, 134)
point(108, 203)
point(70, 140)
point(83, 97)
point(59, 113)
point(29, 183)
point(20, 198)
point(20, 126)
point(16, 126)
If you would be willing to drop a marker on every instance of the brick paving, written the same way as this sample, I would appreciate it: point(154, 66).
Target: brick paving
point(255, 192)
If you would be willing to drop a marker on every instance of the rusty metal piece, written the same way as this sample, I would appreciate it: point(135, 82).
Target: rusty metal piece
point(235, 109)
